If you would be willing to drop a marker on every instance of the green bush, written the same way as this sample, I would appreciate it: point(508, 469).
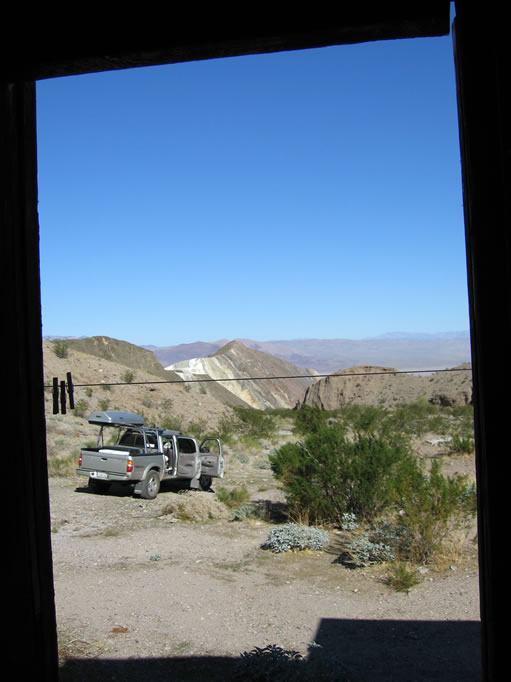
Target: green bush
point(433, 508)
point(309, 420)
point(233, 498)
point(172, 423)
point(81, 408)
point(254, 423)
point(329, 474)
point(461, 444)
point(61, 466)
point(128, 376)
point(198, 429)
point(364, 419)
point(226, 429)
point(402, 577)
point(61, 348)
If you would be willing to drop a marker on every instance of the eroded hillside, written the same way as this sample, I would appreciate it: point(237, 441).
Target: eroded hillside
point(368, 385)
point(248, 367)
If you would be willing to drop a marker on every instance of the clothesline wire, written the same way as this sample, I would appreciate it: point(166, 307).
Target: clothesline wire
point(274, 378)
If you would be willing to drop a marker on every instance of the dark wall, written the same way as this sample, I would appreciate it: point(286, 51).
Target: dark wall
point(483, 78)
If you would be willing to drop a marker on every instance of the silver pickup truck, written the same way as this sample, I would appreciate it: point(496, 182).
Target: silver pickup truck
point(130, 453)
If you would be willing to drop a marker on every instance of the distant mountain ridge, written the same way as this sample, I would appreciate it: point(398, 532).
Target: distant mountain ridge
point(236, 361)
point(399, 349)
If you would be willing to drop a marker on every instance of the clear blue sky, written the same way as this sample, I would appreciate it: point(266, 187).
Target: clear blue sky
point(301, 194)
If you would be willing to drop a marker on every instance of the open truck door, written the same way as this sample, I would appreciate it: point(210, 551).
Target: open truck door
point(212, 461)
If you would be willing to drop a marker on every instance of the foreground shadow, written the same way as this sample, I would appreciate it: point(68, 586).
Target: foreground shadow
point(354, 650)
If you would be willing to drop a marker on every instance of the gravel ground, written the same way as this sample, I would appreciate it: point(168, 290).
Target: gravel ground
point(141, 594)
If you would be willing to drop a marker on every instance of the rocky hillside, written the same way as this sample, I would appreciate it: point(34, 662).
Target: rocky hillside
point(102, 384)
point(386, 388)
point(235, 360)
point(122, 353)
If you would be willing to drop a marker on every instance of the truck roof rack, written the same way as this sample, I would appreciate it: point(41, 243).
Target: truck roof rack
point(113, 418)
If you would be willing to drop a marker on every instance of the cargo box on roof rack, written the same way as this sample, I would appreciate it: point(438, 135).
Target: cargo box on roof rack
point(112, 418)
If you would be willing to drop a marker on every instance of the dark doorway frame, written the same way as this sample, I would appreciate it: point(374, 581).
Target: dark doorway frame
point(39, 50)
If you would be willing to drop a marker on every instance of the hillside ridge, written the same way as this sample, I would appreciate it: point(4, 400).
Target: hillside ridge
point(245, 366)
point(389, 387)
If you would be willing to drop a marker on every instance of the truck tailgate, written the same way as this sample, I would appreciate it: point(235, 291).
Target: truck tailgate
point(106, 460)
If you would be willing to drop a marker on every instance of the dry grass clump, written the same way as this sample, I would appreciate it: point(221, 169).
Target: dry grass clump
point(195, 506)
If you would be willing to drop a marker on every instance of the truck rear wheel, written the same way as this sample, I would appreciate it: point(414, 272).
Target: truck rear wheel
point(150, 485)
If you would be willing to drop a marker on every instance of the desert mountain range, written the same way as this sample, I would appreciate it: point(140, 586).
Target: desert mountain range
point(190, 388)
point(399, 350)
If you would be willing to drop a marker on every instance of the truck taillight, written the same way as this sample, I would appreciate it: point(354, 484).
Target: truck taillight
point(80, 461)
point(129, 466)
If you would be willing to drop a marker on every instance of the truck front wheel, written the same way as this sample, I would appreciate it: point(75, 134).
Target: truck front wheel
point(150, 485)
point(205, 482)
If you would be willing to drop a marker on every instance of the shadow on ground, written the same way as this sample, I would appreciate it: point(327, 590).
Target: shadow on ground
point(355, 650)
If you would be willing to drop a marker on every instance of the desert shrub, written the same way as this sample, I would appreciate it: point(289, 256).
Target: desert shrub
point(297, 537)
point(242, 457)
point(234, 497)
point(60, 348)
point(251, 510)
point(128, 376)
point(198, 429)
point(412, 418)
point(402, 577)
point(61, 466)
point(461, 444)
point(286, 665)
point(349, 521)
point(269, 663)
point(364, 551)
point(226, 429)
point(432, 509)
point(364, 419)
point(309, 420)
point(81, 407)
point(262, 464)
point(173, 423)
point(104, 404)
point(328, 474)
point(254, 423)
